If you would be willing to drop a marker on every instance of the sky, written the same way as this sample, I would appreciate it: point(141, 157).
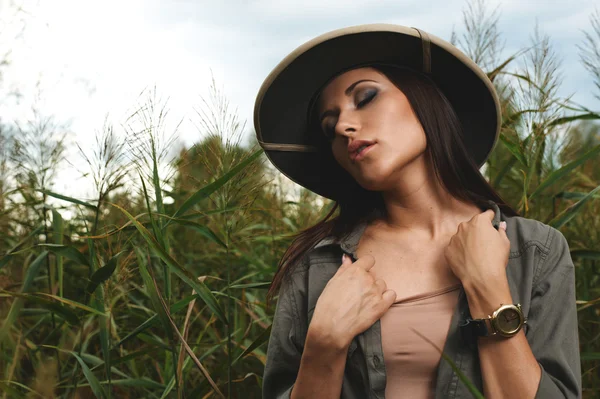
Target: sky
point(81, 61)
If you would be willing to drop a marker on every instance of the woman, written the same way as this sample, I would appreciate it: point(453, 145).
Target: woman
point(393, 124)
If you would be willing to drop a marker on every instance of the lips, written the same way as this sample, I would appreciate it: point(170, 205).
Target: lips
point(358, 148)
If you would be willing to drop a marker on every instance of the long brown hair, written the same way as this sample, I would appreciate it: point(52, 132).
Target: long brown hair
point(452, 164)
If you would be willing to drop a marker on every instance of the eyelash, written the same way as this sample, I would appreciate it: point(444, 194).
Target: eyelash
point(369, 96)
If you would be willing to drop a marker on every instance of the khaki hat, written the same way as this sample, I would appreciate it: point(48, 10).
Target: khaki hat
point(285, 97)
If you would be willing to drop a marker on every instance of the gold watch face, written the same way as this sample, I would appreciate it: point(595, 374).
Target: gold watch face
point(508, 320)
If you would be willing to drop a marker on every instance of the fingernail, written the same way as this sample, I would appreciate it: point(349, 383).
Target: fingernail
point(503, 225)
point(343, 257)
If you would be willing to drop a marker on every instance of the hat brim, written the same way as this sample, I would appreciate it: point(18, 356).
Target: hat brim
point(281, 107)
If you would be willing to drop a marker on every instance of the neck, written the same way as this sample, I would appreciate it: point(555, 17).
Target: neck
point(419, 204)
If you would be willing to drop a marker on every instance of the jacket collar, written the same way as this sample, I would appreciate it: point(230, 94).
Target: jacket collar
point(349, 242)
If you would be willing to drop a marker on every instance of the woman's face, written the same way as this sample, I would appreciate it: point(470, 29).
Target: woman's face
point(373, 130)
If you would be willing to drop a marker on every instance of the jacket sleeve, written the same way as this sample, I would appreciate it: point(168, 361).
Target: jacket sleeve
point(286, 343)
point(552, 329)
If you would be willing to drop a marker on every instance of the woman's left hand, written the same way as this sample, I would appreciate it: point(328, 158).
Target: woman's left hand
point(478, 253)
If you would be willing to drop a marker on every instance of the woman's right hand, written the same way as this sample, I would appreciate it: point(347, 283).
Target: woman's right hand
point(350, 303)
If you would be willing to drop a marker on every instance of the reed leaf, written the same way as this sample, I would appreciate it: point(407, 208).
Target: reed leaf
point(585, 254)
point(136, 383)
point(72, 303)
point(565, 216)
point(587, 304)
point(153, 294)
point(133, 355)
point(185, 275)
point(5, 386)
point(187, 347)
point(203, 230)
point(98, 362)
point(508, 166)
point(567, 119)
point(176, 307)
point(68, 252)
point(6, 258)
point(155, 229)
point(155, 341)
point(465, 380)
point(261, 339)
point(69, 199)
point(57, 237)
point(103, 273)
point(15, 307)
point(573, 195)
point(588, 356)
point(68, 315)
point(496, 71)
point(205, 191)
point(90, 377)
point(514, 149)
point(564, 171)
point(265, 284)
point(168, 388)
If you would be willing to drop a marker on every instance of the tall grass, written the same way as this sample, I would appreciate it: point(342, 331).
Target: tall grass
point(155, 287)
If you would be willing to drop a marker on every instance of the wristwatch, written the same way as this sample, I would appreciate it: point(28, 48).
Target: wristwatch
point(506, 321)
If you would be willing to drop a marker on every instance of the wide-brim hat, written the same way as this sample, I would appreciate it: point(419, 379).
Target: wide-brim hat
point(303, 154)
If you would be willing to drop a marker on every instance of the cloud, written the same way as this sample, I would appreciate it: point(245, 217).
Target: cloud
point(95, 58)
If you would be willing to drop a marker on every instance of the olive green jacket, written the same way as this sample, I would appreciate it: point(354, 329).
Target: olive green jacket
point(541, 277)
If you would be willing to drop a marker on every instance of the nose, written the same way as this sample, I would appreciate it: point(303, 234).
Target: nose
point(347, 125)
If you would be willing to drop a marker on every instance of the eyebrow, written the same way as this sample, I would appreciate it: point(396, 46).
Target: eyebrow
point(347, 92)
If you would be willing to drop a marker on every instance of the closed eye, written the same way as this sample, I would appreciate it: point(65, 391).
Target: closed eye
point(329, 129)
point(328, 122)
point(365, 97)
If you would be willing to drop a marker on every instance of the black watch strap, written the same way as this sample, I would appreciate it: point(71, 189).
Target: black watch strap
point(473, 328)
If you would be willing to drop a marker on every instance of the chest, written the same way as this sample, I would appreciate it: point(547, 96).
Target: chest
point(408, 268)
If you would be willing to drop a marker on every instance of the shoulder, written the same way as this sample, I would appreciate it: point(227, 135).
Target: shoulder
point(525, 233)
point(312, 272)
point(325, 257)
point(325, 252)
point(539, 248)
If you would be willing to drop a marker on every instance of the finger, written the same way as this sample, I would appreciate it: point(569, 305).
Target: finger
point(346, 260)
point(502, 230)
point(366, 262)
point(381, 286)
point(490, 214)
point(389, 297)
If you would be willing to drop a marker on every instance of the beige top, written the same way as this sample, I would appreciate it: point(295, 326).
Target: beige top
point(411, 362)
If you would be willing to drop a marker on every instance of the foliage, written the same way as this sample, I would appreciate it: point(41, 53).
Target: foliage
point(156, 287)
